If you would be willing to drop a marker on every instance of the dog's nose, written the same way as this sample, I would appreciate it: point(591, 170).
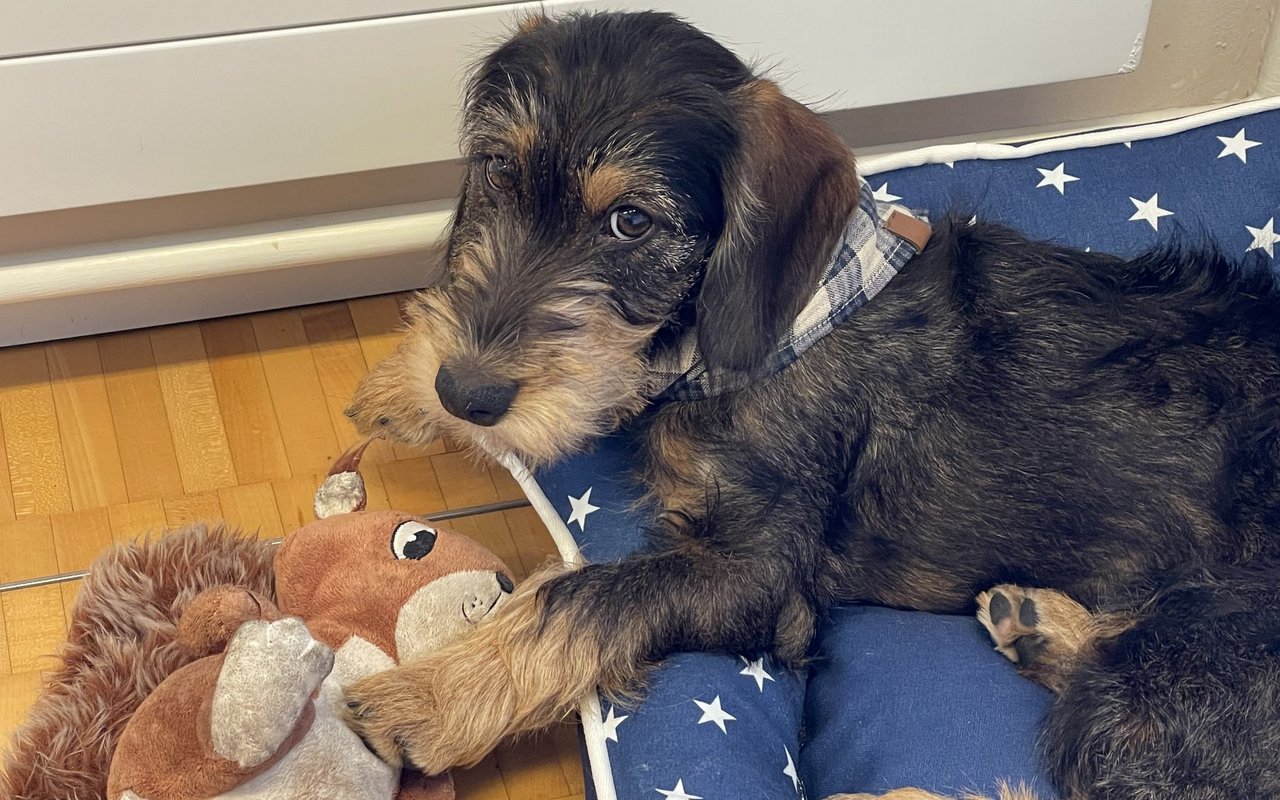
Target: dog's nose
point(478, 399)
point(505, 584)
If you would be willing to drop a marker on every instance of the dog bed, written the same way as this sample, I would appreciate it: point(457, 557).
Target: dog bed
point(899, 698)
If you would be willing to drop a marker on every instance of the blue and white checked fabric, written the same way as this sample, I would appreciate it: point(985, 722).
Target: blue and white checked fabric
point(863, 262)
point(898, 698)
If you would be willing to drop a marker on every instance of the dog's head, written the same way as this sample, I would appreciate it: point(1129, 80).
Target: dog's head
point(626, 175)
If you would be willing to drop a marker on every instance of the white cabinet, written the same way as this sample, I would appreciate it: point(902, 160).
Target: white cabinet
point(841, 54)
point(198, 106)
point(112, 124)
point(52, 26)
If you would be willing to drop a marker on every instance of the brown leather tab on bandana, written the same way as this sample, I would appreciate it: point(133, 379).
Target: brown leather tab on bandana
point(914, 230)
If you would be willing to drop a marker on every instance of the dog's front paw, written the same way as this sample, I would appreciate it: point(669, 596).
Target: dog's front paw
point(395, 713)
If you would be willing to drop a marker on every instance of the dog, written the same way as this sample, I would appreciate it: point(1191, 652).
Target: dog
point(1087, 445)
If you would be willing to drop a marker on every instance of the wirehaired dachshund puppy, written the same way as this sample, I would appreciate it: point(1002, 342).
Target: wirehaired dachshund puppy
point(1089, 446)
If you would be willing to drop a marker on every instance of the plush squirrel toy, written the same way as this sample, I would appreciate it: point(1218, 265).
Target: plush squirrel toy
point(259, 715)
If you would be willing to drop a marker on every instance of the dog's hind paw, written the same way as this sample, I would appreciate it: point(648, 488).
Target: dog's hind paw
point(1041, 630)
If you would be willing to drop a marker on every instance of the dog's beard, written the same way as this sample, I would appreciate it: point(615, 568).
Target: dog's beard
point(574, 386)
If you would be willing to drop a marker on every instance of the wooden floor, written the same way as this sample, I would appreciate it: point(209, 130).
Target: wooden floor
point(109, 437)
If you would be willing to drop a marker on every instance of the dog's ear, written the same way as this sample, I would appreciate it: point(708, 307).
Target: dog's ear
point(788, 193)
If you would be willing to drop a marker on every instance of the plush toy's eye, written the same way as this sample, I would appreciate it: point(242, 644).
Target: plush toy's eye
point(413, 540)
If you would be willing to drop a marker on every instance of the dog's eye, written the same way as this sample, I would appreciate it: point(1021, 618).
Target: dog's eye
point(629, 223)
point(499, 172)
point(412, 540)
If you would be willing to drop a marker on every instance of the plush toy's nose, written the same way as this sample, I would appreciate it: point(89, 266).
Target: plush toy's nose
point(505, 584)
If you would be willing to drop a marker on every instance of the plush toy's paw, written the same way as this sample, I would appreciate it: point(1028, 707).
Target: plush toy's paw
point(394, 713)
point(268, 678)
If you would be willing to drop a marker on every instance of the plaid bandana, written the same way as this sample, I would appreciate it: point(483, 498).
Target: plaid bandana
point(866, 257)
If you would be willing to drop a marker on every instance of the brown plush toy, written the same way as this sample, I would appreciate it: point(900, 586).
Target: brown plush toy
point(259, 715)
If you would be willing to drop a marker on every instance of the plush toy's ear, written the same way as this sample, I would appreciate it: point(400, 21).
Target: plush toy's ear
point(343, 490)
point(215, 615)
point(788, 194)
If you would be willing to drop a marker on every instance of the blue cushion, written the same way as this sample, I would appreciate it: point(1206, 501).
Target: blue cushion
point(900, 698)
point(907, 699)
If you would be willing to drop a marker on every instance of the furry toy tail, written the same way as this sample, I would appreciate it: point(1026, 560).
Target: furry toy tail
point(122, 641)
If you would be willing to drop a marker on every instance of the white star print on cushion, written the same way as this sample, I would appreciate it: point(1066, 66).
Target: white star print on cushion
point(1149, 211)
point(581, 507)
point(1237, 146)
point(611, 723)
point(712, 712)
point(1265, 238)
point(883, 195)
point(1056, 177)
point(790, 770)
point(755, 669)
point(678, 793)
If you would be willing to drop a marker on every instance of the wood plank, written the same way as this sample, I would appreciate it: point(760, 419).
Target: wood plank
point(134, 521)
point(142, 424)
point(5, 669)
point(463, 481)
point(534, 545)
point(26, 549)
point(376, 493)
point(37, 472)
point(182, 511)
point(191, 403)
point(291, 374)
point(78, 538)
point(295, 500)
point(88, 432)
point(570, 752)
point(257, 447)
point(380, 326)
point(491, 531)
point(6, 487)
point(252, 508)
point(17, 693)
point(506, 485)
point(411, 485)
point(36, 627)
point(340, 365)
point(484, 781)
point(533, 765)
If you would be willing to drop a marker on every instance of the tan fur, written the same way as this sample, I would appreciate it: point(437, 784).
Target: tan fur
point(531, 675)
point(680, 473)
point(531, 21)
point(522, 136)
point(571, 388)
point(1067, 628)
point(121, 644)
point(602, 185)
point(1006, 793)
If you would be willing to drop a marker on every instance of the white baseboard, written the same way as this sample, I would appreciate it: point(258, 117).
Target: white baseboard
point(211, 273)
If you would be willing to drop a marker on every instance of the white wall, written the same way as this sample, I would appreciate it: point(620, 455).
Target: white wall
point(1197, 53)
